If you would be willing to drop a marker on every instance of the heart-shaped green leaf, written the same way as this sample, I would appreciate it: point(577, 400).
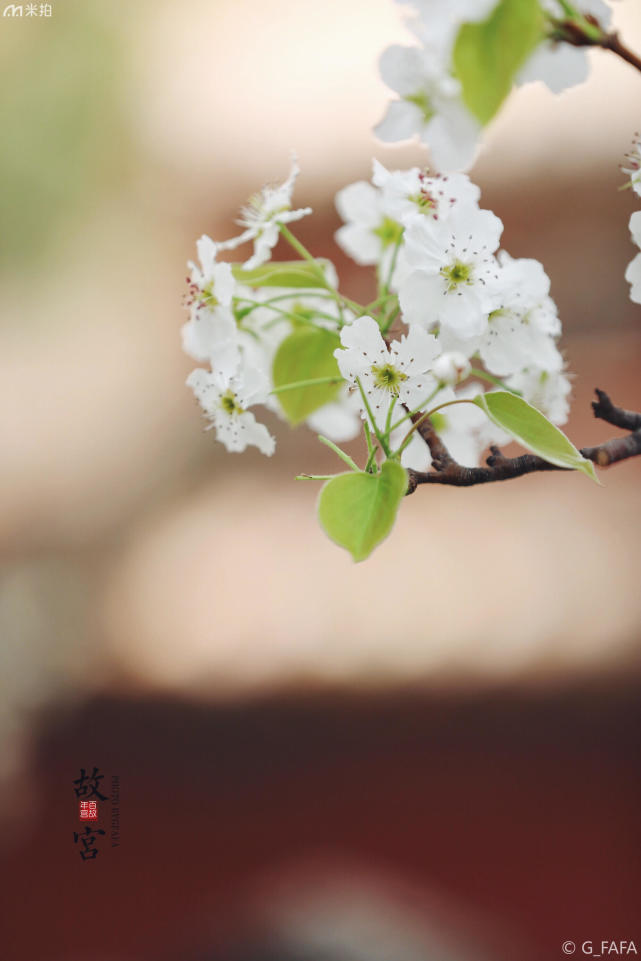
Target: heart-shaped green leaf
point(528, 425)
point(488, 55)
point(307, 354)
point(358, 510)
point(288, 273)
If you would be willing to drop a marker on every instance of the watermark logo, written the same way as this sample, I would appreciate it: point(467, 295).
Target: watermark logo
point(88, 785)
point(28, 10)
point(88, 850)
point(88, 810)
point(87, 789)
point(601, 949)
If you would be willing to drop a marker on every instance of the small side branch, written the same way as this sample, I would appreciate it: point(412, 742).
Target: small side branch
point(445, 470)
point(619, 448)
point(612, 42)
point(605, 410)
point(441, 457)
point(569, 31)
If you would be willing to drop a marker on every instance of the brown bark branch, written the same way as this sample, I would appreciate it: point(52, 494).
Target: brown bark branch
point(445, 470)
point(605, 410)
point(568, 31)
point(612, 42)
point(441, 457)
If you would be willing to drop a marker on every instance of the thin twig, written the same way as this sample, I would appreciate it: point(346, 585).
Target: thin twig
point(569, 31)
point(605, 410)
point(613, 43)
point(441, 457)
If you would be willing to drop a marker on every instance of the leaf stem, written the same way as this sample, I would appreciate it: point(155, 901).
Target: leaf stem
point(314, 476)
point(581, 31)
point(379, 437)
point(416, 424)
point(420, 407)
point(483, 375)
point(341, 301)
point(371, 449)
point(340, 453)
point(392, 266)
point(388, 419)
point(312, 382)
point(389, 320)
point(295, 317)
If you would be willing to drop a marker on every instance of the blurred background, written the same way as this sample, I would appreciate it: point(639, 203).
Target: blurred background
point(431, 755)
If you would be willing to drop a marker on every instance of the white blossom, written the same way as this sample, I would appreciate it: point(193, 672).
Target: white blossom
point(633, 270)
point(438, 21)
point(522, 330)
point(399, 372)
point(452, 367)
point(210, 333)
point(225, 399)
point(406, 194)
point(632, 165)
point(557, 64)
point(211, 283)
point(455, 269)
point(633, 277)
point(375, 215)
point(368, 232)
point(261, 217)
point(430, 107)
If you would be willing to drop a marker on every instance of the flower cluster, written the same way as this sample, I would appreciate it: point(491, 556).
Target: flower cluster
point(458, 349)
point(468, 306)
point(282, 336)
point(236, 328)
point(430, 101)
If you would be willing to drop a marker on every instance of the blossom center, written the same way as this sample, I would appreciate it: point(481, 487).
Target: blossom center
point(456, 274)
point(261, 208)
point(229, 403)
point(207, 296)
point(424, 104)
point(423, 200)
point(389, 232)
point(389, 378)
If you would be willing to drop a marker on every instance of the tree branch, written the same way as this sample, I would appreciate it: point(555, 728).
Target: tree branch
point(605, 410)
point(569, 31)
point(445, 470)
point(441, 457)
point(612, 42)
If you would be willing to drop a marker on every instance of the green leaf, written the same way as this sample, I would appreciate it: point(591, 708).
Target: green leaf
point(528, 425)
point(288, 273)
point(307, 354)
point(488, 55)
point(358, 510)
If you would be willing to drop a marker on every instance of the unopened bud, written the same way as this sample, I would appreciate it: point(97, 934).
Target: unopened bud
point(451, 368)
